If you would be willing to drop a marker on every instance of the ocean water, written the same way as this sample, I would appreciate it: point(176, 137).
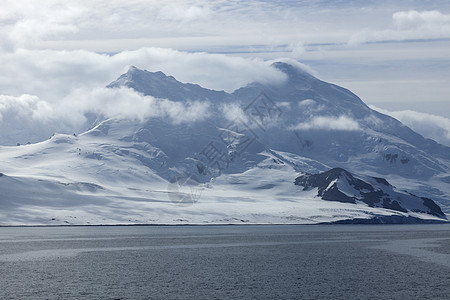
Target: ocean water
point(226, 262)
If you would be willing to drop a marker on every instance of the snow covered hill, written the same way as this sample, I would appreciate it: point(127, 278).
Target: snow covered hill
point(233, 158)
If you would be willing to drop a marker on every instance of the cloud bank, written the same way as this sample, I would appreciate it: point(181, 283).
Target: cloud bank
point(53, 74)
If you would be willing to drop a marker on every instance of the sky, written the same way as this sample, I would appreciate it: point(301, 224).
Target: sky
point(57, 56)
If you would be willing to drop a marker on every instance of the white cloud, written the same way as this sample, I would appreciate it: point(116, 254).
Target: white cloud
point(28, 118)
point(26, 22)
point(25, 119)
point(341, 123)
point(25, 106)
point(297, 49)
point(184, 13)
point(233, 111)
point(430, 126)
point(125, 103)
point(197, 25)
point(431, 20)
point(309, 106)
point(408, 25)
point(76, 23)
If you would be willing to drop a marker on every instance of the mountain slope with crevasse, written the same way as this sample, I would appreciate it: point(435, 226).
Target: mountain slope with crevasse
point(250, 157)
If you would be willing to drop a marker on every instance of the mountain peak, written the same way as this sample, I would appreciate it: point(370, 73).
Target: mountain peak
point(290, 69)
point(132, 68)
point(134, 73)
point(159, 85)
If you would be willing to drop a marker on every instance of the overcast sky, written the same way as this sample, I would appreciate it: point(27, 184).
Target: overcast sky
point(54, 55)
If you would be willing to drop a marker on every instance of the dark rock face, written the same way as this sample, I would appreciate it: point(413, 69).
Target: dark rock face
point(340, 185)
point(329, 190)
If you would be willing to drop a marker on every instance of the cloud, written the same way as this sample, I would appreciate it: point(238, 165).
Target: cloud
point(26, 22)
point(297, 49)
point(200, 25)
point(125, 103)
point(183, 12)
point(430, 20)
point(29, 119)
point(25, 106)
point(408, 25)
point(295, 63)
point(176, 23)
point(309, 106)
point(25, 119)
point(430, 126)
point(233, 111)
point(341, 123)
point(250, 26)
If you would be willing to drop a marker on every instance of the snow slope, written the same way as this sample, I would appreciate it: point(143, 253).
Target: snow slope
point(236, 164)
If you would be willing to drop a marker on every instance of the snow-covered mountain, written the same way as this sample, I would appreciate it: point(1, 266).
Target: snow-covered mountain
point(248, 157)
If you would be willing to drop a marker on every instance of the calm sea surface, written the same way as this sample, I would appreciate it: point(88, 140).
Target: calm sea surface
point(226, 262)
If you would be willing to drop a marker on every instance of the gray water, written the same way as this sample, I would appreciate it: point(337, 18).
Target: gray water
point(226, 262)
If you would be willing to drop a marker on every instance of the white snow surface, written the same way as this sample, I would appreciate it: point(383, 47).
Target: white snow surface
point(88, 180)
